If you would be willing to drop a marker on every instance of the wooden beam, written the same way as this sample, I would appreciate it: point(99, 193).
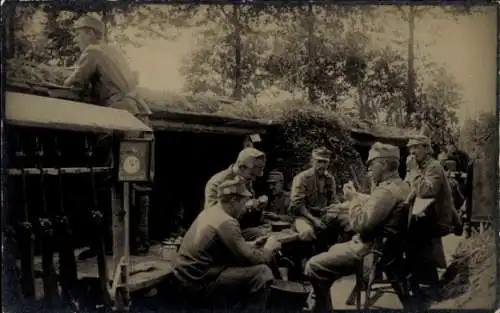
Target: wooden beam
point(199, 128)
point(55, 171)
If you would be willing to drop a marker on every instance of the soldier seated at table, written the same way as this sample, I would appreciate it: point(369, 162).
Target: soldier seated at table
point(279, 199)
point(248, 167)
point(216, 263)
point(380, 215)
point(313, 190)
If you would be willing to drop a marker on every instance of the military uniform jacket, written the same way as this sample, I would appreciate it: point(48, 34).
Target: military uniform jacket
point(113, 81)
point(383, 213)
point(214, 242)
point(215, 181)
point(433, 183)
point(279, 204)
point(311, 192)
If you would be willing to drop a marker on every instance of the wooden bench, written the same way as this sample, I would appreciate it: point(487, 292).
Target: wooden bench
point(146, 271)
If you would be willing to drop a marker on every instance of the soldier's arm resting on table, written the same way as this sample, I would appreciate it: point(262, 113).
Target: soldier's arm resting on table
point(364, 216)
point(298, 199)
point(230, 234)
point(85, 67)
point(428, 185)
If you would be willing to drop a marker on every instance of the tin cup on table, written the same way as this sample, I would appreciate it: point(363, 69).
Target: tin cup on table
point(170, 247)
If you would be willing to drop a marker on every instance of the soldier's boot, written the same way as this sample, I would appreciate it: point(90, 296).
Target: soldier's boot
point(257, 302)
point(322, 300)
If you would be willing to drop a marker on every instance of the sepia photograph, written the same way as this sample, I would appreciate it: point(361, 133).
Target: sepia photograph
point(249, 156)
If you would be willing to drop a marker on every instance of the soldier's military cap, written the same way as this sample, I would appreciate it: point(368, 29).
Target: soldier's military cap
point(233, 187)
point(275, 176)
point(322, 153)
point(419, 140)
point(248, 155)
point(90, 21)
point(381, 150)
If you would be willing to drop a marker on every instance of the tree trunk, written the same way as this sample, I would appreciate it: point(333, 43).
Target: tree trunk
point(363, 109)
point(237, 91)
point(311, 54)
point(410, 95)
point(106, 18)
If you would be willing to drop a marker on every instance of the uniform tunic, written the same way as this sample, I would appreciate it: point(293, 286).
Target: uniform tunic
point(441, 217)
point(213, 183)
point(377, 216)
point(279, 204)
point(214, 249)
point(311, 192)
point(250, 221)
point(113, 81)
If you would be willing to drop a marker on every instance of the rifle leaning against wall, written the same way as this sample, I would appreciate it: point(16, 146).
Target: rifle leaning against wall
point(51, 293)
point(26, 237)
point(68, 275)
point(98, 233)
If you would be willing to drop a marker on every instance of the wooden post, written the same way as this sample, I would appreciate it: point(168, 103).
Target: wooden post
point(121, 246)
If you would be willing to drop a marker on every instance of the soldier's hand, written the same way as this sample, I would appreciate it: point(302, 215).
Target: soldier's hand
point(349, 191)
point(259, 241)
point(272, 244)
point(262, 202)
point(318, 223)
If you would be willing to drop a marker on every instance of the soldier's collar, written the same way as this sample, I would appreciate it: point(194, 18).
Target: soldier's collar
point(389, 177)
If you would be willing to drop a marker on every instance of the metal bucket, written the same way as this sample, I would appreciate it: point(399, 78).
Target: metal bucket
point(287, 295)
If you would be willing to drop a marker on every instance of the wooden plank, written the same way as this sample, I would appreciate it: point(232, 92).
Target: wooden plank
point(46, 112)
point(161, 125)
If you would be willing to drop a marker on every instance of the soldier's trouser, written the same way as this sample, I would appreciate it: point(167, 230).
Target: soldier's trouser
point(325, 268)
point(324, 238)
point(246, 287)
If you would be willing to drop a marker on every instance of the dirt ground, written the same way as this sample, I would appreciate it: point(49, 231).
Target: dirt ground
point(341, 289)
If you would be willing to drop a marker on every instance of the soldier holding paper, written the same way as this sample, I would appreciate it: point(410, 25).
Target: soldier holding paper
point(438, 220)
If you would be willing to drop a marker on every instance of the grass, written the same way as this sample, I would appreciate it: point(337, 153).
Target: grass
point(474, 261)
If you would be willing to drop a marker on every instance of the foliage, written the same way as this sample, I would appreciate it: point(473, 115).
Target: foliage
point(282, 48)
point(55, 44)
point(301, 131)
point(476, 258)
point(478, 132)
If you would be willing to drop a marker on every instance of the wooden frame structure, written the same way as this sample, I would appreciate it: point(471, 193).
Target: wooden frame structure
point(26, 110)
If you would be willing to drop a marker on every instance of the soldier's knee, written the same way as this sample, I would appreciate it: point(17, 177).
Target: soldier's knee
point(309, 268)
